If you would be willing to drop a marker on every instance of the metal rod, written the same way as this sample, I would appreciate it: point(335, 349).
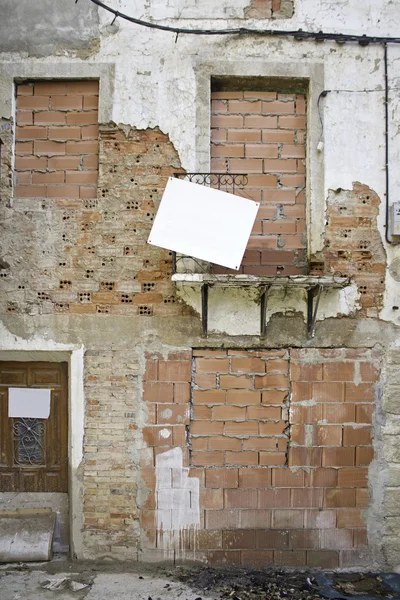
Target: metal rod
point(263, 312)
point(312, 309)
point(204, 308)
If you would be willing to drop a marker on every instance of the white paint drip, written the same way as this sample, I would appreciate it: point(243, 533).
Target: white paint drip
point(165, 433)
point(177, 502)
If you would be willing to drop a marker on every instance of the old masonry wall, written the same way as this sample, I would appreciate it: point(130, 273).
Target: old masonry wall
point(226, 448)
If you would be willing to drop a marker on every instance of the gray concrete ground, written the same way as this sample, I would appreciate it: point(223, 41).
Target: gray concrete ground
point(119, 582)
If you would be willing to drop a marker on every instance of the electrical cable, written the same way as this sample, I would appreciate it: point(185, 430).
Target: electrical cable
point(298, 34)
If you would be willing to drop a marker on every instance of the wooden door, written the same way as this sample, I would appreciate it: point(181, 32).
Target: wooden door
point(34, 452)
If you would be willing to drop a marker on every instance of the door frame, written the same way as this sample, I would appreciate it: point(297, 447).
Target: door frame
point(43, 351)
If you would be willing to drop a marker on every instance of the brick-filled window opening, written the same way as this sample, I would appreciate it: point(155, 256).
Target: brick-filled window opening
point(263, 134)
point(56, 149)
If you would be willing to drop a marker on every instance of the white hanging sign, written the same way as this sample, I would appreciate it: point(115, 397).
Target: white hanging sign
point(203, 222)
point(31, 403)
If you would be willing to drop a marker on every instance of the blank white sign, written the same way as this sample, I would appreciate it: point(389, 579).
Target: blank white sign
point(204, 223)
point(29, 403)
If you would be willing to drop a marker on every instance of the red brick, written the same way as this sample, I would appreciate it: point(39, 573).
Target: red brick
point(30, 163)
point(273, 499)
point(339, 413)
point(362, 497)
point(360, 436)
point(68, 102)
point(212, 365)
point(248, 365)
point(25, 118)
point(209, 396)
point(172, 413)
point(353, 477)
point(221, 519)
point(271, 428)
point(208, 353)
point(243, 397)
point(260, 122)
point(233, 381)
point(23, 148)
point(239, 539)
point(30, 191)
point(338, 457)
point(82, 147)
point(158, 392)
point(64, 133)
point(255, 519)
point(364, 413)
point(244, 106)
point(290, 558)
point(207, 458)
point(279, 380)
point(181, 393)
point(263, 413)
point(33, 102)
point(327, 435)
point(88, 117)
point(31, 133)
point(364, 392)
point(325, 559)
point(338, 371)
point(336, 498)
point(222, 478)
point(229, 413)
point(305, 371)
point(175, 371)
point(49, 117)
point(257, 559)
point(368, 372)
point(301, 538)
point(63, 191)
point(63, 162)
point(227, 150)
point(49, 147)
point(226, 557)
point(81, 177)
point(292, 151)
point(273, 397)
point(241, 498)
point(292, 122)
point(241, 458)
point(364, 456)
point(278, 366)
point(254, 478)
point(200, 443)
point(25, 90)
point(244, 135)
point(257, 443)
point(292, 180)
point(90, 132)
point(201, 412)
point(324, 477)
point(328, 392)
point(224, 443)
point(52, 177)
point(152, 436)
point(203, 539)
point(241, 428)
point(304, 457)
point(287, 478)
point(89, 87)
point(349, 518)
point(360, 538)
point(206, 428)
point(272, 458)
point(301, 391)
point(226, 121)
point(307, 498)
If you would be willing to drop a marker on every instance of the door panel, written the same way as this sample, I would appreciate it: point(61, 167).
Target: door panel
point(34, 452)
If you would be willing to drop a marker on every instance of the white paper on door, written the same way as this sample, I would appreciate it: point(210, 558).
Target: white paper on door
point(30, 403)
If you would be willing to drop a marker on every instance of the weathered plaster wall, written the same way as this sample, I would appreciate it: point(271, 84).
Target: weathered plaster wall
point(148, 80)
point(47, 27)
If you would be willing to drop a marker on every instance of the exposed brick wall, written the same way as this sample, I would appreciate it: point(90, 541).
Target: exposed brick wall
point(263, 134)
point(239, 408)
point(353, 245)
point(93, 252)
point(307, 508)
point(56, 150)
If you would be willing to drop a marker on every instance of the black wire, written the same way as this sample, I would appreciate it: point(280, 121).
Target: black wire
point(299, 34)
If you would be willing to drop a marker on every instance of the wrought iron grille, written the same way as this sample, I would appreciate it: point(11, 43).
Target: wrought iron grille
point(28, 441)
point(226, 182)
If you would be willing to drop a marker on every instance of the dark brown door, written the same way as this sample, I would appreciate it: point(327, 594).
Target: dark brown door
point(34, 452)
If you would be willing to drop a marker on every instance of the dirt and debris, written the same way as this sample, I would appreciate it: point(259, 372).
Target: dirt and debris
point(250, 584)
